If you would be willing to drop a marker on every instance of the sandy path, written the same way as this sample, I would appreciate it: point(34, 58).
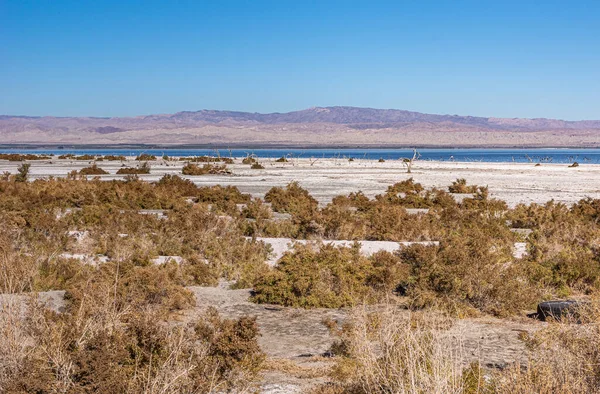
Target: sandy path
point(294, 333)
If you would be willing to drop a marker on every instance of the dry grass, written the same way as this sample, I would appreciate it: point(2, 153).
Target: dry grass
point(292, 368)
point(385, 352)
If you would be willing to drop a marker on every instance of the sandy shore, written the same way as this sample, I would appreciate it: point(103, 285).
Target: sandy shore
point(325, 178)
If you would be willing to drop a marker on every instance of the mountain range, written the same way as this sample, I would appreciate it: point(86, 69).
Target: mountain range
point(318, 126)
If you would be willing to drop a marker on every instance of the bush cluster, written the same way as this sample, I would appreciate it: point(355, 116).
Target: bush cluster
point(92, 170)
point(22, 157)
point(143, 169)
point(194, 169)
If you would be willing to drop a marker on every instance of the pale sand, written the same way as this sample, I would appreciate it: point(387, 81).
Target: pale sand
point(513, 182)
point(367, 248)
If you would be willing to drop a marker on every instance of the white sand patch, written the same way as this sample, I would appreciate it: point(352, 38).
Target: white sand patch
point(367, 248)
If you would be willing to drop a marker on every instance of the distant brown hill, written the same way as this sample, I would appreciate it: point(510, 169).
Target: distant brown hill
point(321, 126)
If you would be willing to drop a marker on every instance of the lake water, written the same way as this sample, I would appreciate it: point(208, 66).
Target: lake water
point(466, 155)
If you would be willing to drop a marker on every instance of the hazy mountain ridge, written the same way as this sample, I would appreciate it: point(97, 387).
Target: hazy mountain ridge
point(336, 115)
point(326, 125)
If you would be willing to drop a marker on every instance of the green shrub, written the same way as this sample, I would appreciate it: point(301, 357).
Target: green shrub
point(22, 172)
point(330, 277)
point(469, 272)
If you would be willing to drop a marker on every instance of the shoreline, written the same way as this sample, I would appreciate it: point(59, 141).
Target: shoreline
point(42, 146)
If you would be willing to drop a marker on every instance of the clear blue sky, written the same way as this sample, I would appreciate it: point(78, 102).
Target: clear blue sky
point(120, 58)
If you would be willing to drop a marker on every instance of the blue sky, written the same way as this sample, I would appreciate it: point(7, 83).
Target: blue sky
point(124, 58)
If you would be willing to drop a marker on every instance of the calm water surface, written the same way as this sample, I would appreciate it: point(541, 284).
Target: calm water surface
point(467, 155)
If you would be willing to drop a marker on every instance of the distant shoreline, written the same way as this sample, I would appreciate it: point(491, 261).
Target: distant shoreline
point(282, 146)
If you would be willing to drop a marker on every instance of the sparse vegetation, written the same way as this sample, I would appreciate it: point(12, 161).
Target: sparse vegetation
point(249, 160)
point(460, 186)
point(92, 170)
point(194, 169)
point(23, 172)
point(145, 157)
point(257, 166)
point(22, 157)
point(118, 329)
point(114, 158)
point(329, 277)
point(207, 159)
point(143, 169)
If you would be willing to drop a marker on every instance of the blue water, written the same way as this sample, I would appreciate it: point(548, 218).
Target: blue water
point(466, 155)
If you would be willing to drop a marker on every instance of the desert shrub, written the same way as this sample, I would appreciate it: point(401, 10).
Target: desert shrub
point(296, 201)
point(193, 169)
point(114, 157)
point(114, 349)
point(23, 172)
point(145, 157)
point(469, 271)
point(257, 166)
point(282, 159)
point(588, 208)
point(58, 273)
point(92, 170)
point(17, 270)
point(257, 210)
point(565, 257)
point(222, 198)
point(84, 157)
point(143, 169)
point(460, 186)
point(232, 346)
point(575, 164)
point(563, 252)
point(413, 195)
point(22, 157)
point(175, 184)
point(308, 278)
point(392, 223)
point(249, 160)
point(381, 160)
point(339, 222)
point(207, 159)
point(291, 199)
point(356, 200)
point(481, 200)
point(533, 215)
point(329, 277)
point(199, 271)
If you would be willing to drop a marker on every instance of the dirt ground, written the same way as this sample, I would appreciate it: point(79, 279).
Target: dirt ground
point(300, 337)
